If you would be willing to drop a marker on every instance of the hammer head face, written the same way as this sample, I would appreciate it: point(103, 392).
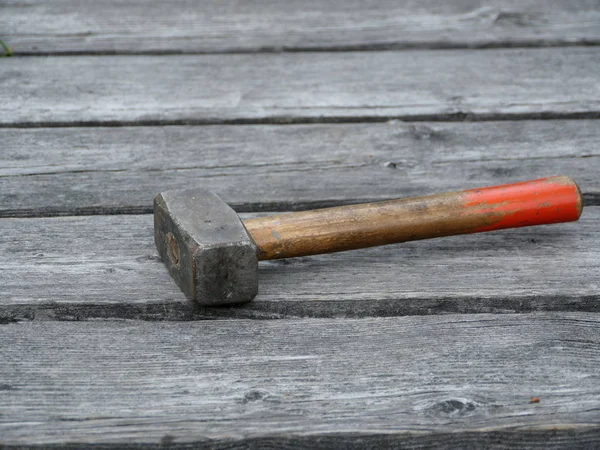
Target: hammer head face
point(205, 247)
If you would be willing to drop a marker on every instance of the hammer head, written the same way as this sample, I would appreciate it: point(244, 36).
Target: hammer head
point(206, 247)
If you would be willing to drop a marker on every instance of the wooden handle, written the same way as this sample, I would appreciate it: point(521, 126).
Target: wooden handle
point(536, 202)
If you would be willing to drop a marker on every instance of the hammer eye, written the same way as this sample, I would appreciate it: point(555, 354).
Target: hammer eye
point(173, 247)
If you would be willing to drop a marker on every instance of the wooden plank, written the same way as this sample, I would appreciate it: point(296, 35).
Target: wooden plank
point(72, 26)
point(267, 167)
point(229, 384)
point(300, 87)
point(68, 268)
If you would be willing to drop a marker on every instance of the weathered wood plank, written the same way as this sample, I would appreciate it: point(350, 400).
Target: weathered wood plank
point(228, 384)
point(260, 167)
point(106, 266)
point(200, 89)
point(73, 26)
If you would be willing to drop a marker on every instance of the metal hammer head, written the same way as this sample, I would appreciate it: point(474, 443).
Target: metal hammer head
point(206, 247)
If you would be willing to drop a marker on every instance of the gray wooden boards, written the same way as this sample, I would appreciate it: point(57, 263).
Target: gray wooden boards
point(180, 26)
point(300, 87)
point(269, 167)
point(454, 380)
point(70, 268)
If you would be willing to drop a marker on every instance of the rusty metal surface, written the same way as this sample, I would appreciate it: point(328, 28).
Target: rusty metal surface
point(205, 247)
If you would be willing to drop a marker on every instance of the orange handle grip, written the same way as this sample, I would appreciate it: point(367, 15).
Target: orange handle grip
point(536, 202)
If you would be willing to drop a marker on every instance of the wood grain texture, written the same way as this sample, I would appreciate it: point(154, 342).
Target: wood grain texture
point(182, 26)
point(350, 227)
point(274, 168)
point(301, 87)
point(228, 384)
point(73, 268)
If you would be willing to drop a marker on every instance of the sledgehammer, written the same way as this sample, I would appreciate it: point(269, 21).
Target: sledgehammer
point(213, 255)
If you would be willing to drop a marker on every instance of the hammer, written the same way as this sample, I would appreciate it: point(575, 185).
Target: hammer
point(213, 255)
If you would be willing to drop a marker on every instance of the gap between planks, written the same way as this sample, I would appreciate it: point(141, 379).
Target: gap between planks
point(386, 47)
point(459, 116)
